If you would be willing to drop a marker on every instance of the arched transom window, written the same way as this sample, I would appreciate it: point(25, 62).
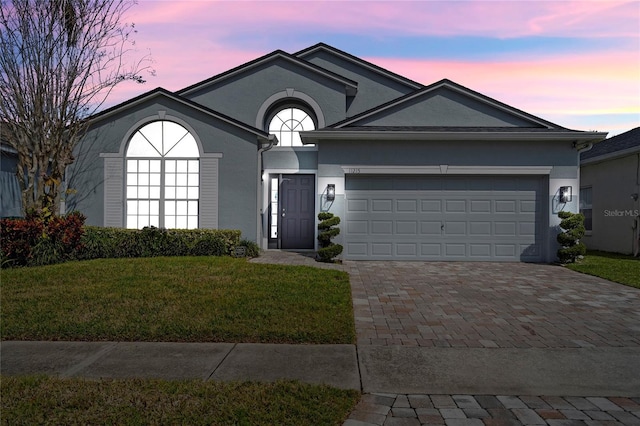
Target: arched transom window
point(287, 123)
point(162, 180)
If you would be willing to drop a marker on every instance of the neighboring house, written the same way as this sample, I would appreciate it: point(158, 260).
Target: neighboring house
point(437, 172)
point(10, 196)
point(609, 188)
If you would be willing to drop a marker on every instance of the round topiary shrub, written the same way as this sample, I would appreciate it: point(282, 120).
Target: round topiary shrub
point(327, 230)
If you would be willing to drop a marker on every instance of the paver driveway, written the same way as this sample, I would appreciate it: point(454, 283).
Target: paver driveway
point(493, 305)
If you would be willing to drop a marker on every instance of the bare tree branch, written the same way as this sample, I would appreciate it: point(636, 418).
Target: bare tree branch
point(59, 61)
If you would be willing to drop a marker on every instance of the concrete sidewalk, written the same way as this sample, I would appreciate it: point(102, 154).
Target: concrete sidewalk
point(334, 365)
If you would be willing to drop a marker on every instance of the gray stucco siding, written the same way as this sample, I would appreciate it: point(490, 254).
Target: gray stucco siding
point(445, 107)
point(462, 153)
point(373, 88)
point(286, 159)
point(242, 95)
point(237, 177)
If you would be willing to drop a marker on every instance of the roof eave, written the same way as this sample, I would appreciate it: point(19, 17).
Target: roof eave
point(316, 136)
point(351, 87)
point(611, 155)
point(177, 98)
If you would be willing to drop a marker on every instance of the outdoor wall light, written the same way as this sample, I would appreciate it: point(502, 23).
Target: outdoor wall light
point(331, 192)
point(565, 194)
point(634, 197)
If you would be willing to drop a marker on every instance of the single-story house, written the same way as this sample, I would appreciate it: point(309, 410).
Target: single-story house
point(436, 172)
point(609, 188)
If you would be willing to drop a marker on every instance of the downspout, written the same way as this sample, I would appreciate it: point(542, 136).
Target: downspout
point(271, 141)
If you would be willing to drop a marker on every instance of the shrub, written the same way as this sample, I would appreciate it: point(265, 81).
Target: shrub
point(328, 250)
point(251, 248)
point(38, 240)
point(569, 239)
point(150, 242)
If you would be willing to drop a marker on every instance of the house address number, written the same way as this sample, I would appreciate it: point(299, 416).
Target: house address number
point(353, 171)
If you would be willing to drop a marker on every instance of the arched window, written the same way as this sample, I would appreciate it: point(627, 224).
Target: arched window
point(162, 180)
point(287, 122)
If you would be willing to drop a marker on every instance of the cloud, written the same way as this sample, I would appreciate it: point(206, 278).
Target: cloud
point(502, 19)
point(601, 83)
point(194, 40)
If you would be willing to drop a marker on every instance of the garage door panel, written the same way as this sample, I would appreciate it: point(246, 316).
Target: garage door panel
point(480, 228)
point(455, 250)
point(382, 249)
point(357, 227)
point(504, 228)
point(478, 218)
point(407, 227)
point(430, 228)
point(357, 249)
point(381, 206)
point(380, 227)
point(431, 206)
point(406, 249)
point(505, 206)
point(480, 250)
point(480, 206)
point(455, 206)
point(357, 205)
point(506, 250)
point(431, 250)
point(407, 206)
point(455, 228)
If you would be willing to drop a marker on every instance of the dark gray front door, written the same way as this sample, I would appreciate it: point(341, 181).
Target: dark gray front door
point(297, 211)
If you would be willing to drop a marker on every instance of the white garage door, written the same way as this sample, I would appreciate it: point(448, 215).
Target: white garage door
point(444, 218)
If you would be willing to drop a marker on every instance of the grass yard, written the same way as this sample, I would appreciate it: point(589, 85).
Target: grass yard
point(55, 401)
point(177, 299)
point(611, 266)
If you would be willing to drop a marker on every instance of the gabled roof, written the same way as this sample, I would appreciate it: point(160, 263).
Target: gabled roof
point(622, 144)
point(350, 85)
point(160, 92)
point(358, 61)
point(535, 121)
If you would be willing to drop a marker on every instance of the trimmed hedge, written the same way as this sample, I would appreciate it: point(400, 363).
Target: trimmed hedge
point(34, 241)
point(151, 242)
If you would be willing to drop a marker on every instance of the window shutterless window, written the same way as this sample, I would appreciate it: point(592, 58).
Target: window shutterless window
point(287, 123)
point(586, 208)
point(162, 177)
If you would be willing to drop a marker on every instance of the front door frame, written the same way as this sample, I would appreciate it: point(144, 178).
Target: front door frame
point(268, 176)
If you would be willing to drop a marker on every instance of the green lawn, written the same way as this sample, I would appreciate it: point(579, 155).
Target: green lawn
point(55, 401)
point(611, 266)
point(178, 299)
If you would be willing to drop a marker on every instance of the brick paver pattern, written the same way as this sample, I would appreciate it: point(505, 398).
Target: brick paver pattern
point(490, 305)
point(480, 410)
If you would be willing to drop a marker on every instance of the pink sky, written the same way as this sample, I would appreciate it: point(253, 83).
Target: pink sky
point(579, 65)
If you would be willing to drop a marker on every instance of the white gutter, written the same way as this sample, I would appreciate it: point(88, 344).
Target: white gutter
point(271, 141)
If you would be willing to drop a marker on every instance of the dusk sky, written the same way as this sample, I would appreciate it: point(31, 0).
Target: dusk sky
point(575, 63)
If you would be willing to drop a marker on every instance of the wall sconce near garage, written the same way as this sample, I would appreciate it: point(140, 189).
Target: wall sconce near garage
point(565, 194)
point(331, 192)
